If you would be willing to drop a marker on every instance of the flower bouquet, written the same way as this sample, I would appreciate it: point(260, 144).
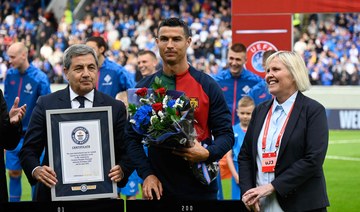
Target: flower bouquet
point(166, 120)
point(163, 116)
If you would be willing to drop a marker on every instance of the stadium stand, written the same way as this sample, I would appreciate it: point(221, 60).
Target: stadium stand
point(329, 43)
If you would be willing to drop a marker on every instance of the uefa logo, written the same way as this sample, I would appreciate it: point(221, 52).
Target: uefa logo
point(80, 135)
point(254, 54)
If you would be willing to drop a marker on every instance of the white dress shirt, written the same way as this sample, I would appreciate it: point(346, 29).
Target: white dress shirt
point(88, 102)
point(270, 203)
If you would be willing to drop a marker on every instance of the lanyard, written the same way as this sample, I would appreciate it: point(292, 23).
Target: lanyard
point(281, 131)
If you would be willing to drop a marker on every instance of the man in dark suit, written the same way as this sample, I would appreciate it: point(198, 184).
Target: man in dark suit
point(10, 132)
point(81, 70)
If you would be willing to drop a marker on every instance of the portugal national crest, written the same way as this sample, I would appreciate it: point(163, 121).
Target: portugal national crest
point(80, 135)
point(194, 102)
point(254, 53)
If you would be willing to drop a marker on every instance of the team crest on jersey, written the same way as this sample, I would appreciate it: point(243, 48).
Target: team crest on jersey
point(194, 102)
point(254, 54)
point(80, 135)
point(28, 88)
point(107, 80)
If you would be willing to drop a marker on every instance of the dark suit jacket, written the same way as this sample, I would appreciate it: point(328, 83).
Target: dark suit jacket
point(10, 137)
point(36, 136)
point(299, 179)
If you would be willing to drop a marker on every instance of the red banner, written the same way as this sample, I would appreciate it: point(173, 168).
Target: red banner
point(259, 36)
point(294, 6)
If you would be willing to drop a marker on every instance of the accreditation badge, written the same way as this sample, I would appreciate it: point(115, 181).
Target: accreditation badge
point(268, 161)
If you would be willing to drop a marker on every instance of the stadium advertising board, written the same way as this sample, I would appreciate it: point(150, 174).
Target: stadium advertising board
point(343, 119)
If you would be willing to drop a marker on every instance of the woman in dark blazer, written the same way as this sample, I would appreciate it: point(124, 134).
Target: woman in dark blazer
point(280, 162)
point(10, 132)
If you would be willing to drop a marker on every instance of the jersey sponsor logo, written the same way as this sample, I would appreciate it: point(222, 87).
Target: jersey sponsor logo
point(263, 95)
point(225, 88)
point(254, 53)
point(194, 102)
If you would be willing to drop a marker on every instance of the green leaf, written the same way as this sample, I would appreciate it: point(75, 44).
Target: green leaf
point(132, 108)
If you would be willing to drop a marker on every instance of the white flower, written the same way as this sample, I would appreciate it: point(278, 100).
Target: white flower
point(144, 100)
point(161, 114)
point(152, 118)
point(179, 103)
point(165, 101)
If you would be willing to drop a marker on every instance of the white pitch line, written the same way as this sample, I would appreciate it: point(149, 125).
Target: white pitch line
point(344, 142)
point(342, 158)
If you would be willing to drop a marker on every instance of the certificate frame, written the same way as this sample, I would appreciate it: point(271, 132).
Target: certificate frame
point(81, 152)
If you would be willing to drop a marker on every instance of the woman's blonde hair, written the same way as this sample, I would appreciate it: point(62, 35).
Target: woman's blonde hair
point(296, 66)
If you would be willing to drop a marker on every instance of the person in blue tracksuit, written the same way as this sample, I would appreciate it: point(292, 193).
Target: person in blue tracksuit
point(27, 82)
point(235, 80)
point(112, 77)
point(260, 91)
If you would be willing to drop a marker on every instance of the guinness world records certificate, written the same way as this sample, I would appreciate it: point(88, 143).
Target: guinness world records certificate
point(81, 152)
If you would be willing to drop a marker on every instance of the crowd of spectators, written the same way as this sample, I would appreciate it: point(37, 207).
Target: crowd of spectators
point(329, 46)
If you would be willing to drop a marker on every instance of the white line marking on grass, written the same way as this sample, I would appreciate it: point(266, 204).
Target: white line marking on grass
point(342, 158)
point(344, 142)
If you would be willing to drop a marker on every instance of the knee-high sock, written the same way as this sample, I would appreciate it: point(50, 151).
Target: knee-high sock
point(15, 189)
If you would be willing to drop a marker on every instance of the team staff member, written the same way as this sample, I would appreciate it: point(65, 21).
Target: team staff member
point(236, 81)
point(166, 173)
point(10, 132)
point(80, 68)
point(147, 63)
point(27, 82)
point(280, 162)
point(112, 77)
point(260, 92)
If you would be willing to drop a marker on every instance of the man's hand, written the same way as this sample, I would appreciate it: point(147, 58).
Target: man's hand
point(152, 184)
point(194, 154)
point(116, 174)
point(45, 175)
point(17, 113)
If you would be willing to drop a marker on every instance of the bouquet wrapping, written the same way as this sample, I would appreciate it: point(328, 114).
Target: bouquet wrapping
point(166, 120)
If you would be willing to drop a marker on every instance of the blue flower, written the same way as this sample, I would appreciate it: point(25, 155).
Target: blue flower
point(171, 103)
point(156, 116)
point(142, 116)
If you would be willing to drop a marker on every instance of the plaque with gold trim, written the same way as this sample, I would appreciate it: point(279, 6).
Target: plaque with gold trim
point(81, 152)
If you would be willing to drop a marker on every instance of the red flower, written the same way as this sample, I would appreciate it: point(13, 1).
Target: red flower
point(142, 92)
point(160, 91)
point(157, 106)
